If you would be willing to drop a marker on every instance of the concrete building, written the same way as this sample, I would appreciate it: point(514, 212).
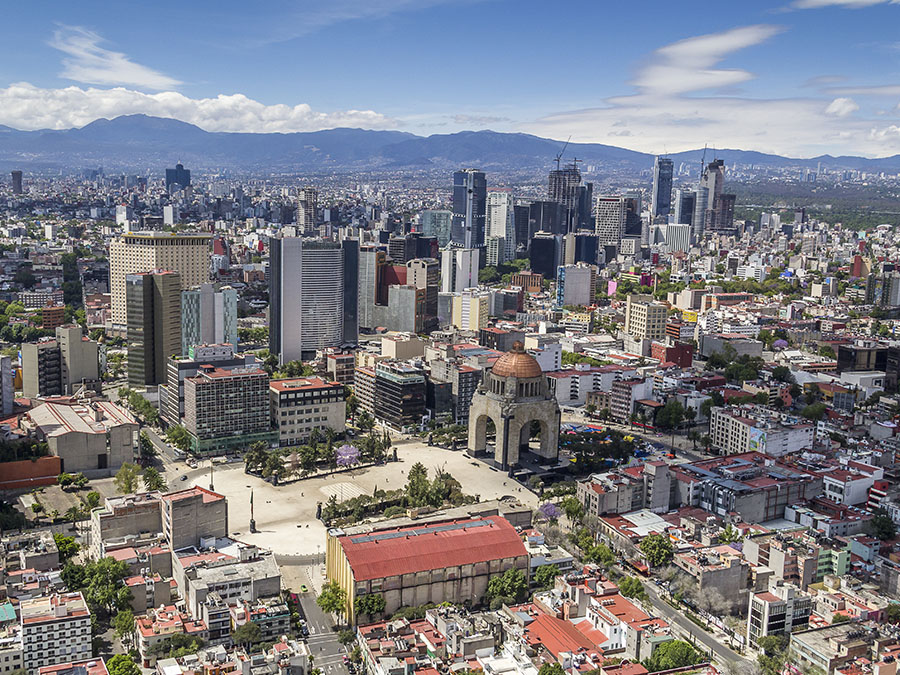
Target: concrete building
point(609, 225)
point(61, 366)
point(831, 647)
point(434, 562)
point(313, 302)
point(185, 254)
point(307, 207)
point(126, 519)
point(55, 629)
point(190, 515)
point(93, 437)
point(779, 611)
point(645, 319)
point(399, 395)
point(179, 368)
point(41, 369)
point(512, 395)
point(297, 406)
point(467, 229)
point(745, 429)
point(501, 222)
point(425, 273)
point(471, 310)
point(153, 326)
point(226, 410)
point(576, 285)
point(459, 269)
point(717, 567)
point(208, 317)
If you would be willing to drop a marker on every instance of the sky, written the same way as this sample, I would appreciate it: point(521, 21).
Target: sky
point(794, 77)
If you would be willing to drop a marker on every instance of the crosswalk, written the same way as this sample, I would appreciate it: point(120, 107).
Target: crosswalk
point(341, 491)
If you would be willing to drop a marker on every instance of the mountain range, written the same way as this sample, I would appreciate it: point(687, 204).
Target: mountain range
point(140, 143)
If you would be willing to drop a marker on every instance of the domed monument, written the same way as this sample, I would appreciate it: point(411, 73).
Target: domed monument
point(513, 395)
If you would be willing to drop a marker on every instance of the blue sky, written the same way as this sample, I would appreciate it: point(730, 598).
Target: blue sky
point(798, 77)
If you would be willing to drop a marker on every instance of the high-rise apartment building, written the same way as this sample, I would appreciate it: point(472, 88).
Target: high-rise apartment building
point(436, 223)
point(55, 629)
point(208, 317)
point(469, 208)
point(297, 406)
point(581, 247)
point(61, 366)
point(227, 409)
point(154, 325)
point(177, 178)
point(425, 273)
point(17, 182)
point(678, 237)
point(136, 252)
point(459, 269)
point(645, 319)
point(307, 206)
point(661, 196)
point(7, 388)
point(610, 219)
point(41, 369)
point(471, 310)
point(307, 296)
point(563, 189)
point(501, 223)
point(576, 285)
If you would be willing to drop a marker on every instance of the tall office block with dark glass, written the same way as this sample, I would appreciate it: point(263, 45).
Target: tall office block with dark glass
point(469, 208)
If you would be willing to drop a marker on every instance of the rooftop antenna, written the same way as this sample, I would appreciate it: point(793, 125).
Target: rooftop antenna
point(703, 161)
point(560, 153)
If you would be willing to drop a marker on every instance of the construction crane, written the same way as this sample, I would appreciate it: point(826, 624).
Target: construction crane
point(561, 152)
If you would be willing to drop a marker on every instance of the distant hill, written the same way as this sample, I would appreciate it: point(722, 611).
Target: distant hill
point(141, 142)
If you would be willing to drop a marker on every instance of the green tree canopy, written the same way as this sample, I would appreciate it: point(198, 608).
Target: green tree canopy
point(122, 664)
point(67, 547)
point(673, 654)
point(657, 549)
point(370, 604)
point(546, 575)
point(509, 587)
point(126, 479)
point(332, 599)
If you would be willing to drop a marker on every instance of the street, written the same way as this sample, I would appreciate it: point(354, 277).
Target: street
point(328, 653)
point(689, 629)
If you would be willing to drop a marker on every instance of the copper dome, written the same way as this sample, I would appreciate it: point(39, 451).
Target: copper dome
point(517, 363)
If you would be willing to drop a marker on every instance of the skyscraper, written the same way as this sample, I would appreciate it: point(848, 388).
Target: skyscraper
point(307, 204)
point(684, 206)
point(719, 213)
point(563, 189)
point(459, 269)
point(501, 222)
point(425, 273)
point(153, 301)
point(179, 177)
point(610, 219)
point(661, 197)
point(186, 254)
point(17, 182)
point(306, 297)
point(436, 223)
point(469, 208)
point(546, 253)
point(208, 317)
point(545, 217)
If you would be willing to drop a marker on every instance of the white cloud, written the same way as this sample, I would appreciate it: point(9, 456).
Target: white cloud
point(671, 111)
point(688, 65)
point(841, 107)
point(877, 90)
point(89, 63)
point(24, 106)
point(847, 4)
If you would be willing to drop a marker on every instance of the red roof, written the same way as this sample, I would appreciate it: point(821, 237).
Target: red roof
point(558, 635)
point(431, 546)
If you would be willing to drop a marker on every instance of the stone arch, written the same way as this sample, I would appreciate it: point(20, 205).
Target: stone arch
point(480, 426)
point(525, 433)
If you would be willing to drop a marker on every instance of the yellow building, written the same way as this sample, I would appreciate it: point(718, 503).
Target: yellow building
point(471, 310)
point(136, 252)
point(645, 319)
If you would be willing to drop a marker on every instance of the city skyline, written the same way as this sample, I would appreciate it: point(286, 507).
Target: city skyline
point(798, 78)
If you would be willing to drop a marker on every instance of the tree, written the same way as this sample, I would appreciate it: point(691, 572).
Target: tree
point(178, 436)
point(154, 480)
point(509, 587)
point(417, 485)
point(631, 587)
point(73, 515)
point(370, 604)
point(124, 625)
point(573, 508)
point(147, 449)
point(66, 546)
point(332, 599)
point(122, 664)
point(247, 634)
point(840, 618)
point(92, 499)
point(814, 411)
point(546, 575)
point(256, 456)
point(673, 654)
point(881, 525)
point(657, 549)
point(126, 479)
point(64, 480)
point(103, 584)
point(346, 637)
point(80, 480)
point(893, 613)
point(671, 415)
point(551, 669)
